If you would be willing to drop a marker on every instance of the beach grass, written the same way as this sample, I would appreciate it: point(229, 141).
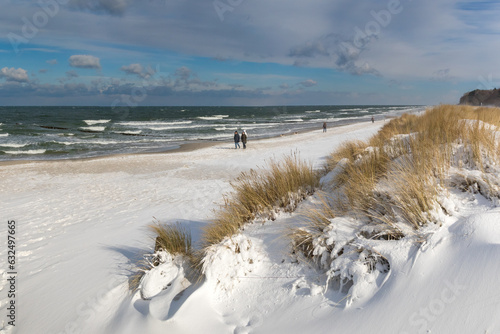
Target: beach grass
point(394, 179)
point(260, 193)
point(174, 239)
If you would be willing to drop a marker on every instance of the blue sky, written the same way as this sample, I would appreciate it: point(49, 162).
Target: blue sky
point(246, 52)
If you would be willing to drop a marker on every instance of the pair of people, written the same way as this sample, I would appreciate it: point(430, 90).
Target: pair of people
point(237, 139)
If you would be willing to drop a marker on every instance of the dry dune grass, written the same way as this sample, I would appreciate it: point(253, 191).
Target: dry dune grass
point(394, 179)
point(255, 193)
point(175, 239)
point(282, 185)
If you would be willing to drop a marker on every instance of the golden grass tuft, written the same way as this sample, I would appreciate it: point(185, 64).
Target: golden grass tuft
point(282, 185)
point(412, 154)
point(316, 219)
point(359, 179)
point(175, 239)
point(350, 150)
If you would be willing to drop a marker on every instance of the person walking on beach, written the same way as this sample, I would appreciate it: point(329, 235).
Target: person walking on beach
point(236, 140)
point(324, 127)
point(244, 139)
point(373, 120)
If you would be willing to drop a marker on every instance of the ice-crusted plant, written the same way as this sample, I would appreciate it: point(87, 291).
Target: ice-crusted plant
point(349, 266)
point(232, 259)
point(260, 194)
point(172, 247)
point(396, 185)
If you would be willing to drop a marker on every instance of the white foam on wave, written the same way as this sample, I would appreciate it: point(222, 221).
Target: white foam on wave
point(312, 111)
point(94, 142)
point(129, 132)
point(4, 134)
point(351, 109)
point(93, 128)
point(26, 152)
point(147, 124)
point(294, 120)
point(96, 121)
point(13, 145)
point(212, 118)
point(247, 126)
point(174, 127)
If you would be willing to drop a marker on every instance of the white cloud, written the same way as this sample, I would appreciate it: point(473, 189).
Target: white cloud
point(139, 70)
point(84, 61)
point(308, 83)
point(51, 61)
point(13, 74)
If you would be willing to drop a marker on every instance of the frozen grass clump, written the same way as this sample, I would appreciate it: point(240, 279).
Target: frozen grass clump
point(172, 260)
point(394, 187)
point(261, 194)
point(234, 258)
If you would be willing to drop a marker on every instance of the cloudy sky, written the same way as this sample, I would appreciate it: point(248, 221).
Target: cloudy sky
point(246, 52)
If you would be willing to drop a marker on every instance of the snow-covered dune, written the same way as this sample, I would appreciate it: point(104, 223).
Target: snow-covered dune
point(81, 227)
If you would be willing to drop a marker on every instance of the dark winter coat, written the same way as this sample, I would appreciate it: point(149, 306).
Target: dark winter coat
point(244, 138)
point(236, 138)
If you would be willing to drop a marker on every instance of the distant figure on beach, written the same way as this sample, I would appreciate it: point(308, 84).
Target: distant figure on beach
point(236, 140)
point(244, 139)
point(373, 120)
point(324, 127)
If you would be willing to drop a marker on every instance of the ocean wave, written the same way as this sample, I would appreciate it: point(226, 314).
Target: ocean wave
point(147, 124)
point(94, 142)
point(312, 111)
point(96, 121)
point(351, 109)
point(26, 152)
point(341, 119)
point(13, 145)
point(229, 137)
point(186, 127)
point(212, 118)
point(138, 132)
point(93, 128)
point(294, 120)
point(4, 134)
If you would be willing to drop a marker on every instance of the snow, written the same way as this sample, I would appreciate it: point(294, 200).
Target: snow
point(81, 229)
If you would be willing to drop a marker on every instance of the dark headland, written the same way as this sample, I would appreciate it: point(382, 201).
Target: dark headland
point(481, 97)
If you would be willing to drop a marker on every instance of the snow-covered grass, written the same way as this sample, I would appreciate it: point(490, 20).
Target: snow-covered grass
point(261, 194)
point(397, 189)
point(83, 225)
point(390, 187)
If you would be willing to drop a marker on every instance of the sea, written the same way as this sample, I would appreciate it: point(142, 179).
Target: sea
point(53, 133)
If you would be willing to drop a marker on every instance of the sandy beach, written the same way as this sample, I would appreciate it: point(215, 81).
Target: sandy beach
point(82, 223)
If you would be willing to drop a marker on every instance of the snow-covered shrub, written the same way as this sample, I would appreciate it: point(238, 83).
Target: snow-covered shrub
point(261, 195)
point(235, 257)
point(350, 267)
point(169, 273)
point(170, 265)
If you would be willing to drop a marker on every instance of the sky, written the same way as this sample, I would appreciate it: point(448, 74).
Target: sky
point(246, 52)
